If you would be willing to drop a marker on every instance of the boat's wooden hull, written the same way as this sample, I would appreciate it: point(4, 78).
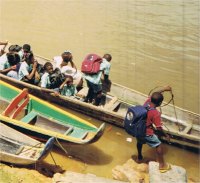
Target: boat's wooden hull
point(79, 106)
point(132, 96)
point(49, 121)
point(20, 149)
point(43, 135)
point(8, 158)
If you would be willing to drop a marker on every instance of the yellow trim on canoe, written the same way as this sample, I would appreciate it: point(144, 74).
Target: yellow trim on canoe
point(38, 129)
point(51, 106)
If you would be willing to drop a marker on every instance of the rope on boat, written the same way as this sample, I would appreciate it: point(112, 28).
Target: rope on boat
point(172, 96)
point(173, 103)
point(68, 153)
point(53, 159)
point(61, 146)
point(179, 129)
point(35, 165)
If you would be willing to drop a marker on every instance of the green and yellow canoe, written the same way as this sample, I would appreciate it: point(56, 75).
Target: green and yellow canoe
point(42, 120)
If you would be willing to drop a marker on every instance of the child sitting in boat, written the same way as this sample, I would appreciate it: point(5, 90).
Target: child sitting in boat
point(67, 88)
point(14, 62)
point(45, 80)
point(28, 70)
point(62, 62)
point(26, 48)
point(12, 57)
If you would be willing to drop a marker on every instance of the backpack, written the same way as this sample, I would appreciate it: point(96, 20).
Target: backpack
point(91, 64)
point(135, 120)
point(56, 79)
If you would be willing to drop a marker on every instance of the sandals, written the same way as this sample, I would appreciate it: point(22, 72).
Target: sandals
point(165, 169)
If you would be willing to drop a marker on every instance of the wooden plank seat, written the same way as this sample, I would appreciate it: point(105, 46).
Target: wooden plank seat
point(78, 133)
point(112, 104)
point(17, 104)
point(69, 130)
point(29, 117)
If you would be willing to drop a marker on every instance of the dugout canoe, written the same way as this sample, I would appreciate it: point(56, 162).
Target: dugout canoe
point(42, 120)
point(181, 124)
point(20, 149)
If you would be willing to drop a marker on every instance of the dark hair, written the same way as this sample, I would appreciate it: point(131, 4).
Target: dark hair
point(157, 98)
point(13, 58)
point(15, 48)
point(26, 47)
point(108, 57)
point(47, 64)
point(66, 56)
point(70, 77)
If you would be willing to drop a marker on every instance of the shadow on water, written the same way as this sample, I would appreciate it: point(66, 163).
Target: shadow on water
point(88, 154)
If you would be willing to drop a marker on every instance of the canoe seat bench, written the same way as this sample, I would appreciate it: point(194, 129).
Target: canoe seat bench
point(69, 130)
point(29, 117)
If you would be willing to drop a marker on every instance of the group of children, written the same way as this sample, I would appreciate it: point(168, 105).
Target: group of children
point(20, 63)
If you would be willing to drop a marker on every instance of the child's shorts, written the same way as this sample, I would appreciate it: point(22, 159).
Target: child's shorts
point(151, 140)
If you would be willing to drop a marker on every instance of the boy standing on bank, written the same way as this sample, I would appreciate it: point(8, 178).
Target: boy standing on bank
point(154, 118)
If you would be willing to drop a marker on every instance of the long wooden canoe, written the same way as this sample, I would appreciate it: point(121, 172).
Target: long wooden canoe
point(184, 126)
point(43, 120)
point(17, 148)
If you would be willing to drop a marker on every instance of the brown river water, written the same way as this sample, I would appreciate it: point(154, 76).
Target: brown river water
point(153, 43)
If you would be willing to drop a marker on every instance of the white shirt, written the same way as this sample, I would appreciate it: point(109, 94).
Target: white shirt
point(4, 64)
point(21, 54)
point(107, 66)
point(24, 70)
point(45, 80)
point(68, 70)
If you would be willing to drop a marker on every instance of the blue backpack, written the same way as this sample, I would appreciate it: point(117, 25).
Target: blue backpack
point(135, 120)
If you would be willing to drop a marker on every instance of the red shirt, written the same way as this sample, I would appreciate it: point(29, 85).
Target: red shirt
point(153, 117)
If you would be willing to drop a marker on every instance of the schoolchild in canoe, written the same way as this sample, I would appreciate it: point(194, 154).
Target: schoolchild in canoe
point(28, 70)
point(9, 62)
point(67, 67)
point(93, 76)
